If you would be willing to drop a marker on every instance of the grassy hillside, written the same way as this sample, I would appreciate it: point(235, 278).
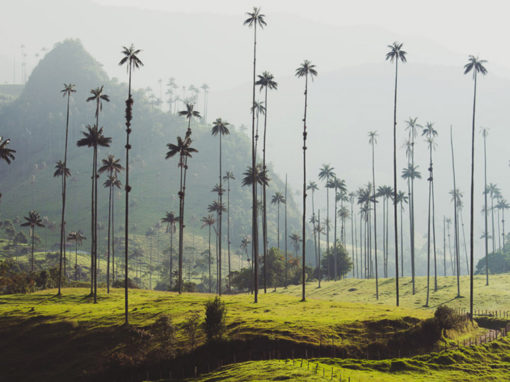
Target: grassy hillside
point(492, 297)
point(489, 362)
point(88, 338)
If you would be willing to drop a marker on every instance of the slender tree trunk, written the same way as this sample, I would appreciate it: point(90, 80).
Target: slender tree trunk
point(472, 205)
point(278, 224)
point(319, 246)
point(493, 231)
point(264, 206)
point(220, 214)
point(171, 255)
point(456, 224)
point(64, 186)
point(113, 235)
point(402, 236)
point(286, 233)
point(254, 180)
point(129, 106)
point(353, 235)
point(76, 261)
point(434, 232)
point(428, 227)
point(335, 270)
point(228, 236)
point(33, 237)
point(210, 276)
point(92, 232)
point(303, 298)
point(444, 245)
point(375, 223)
point(95, 225)
point(395, 190)
point(109, 243)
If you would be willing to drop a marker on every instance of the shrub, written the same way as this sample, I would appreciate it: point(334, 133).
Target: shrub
point(120, 284)
point(215, 318)
point(447, 318)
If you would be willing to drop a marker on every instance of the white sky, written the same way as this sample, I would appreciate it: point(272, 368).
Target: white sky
point(463, 26)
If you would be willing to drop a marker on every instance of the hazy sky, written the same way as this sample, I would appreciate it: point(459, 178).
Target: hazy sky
point(463, 26)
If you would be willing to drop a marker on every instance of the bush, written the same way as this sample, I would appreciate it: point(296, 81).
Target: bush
point(447, 318)
point(120, 284)
point(215, 318)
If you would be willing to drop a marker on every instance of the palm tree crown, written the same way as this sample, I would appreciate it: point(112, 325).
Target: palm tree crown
point(98, 96)
point(68, 89)
point(396, 52)
point(130, 57)
point(220, 127)
point(260, 176)
point(476, 65)
point(94, 137)
point(111, 164)
point(6, 153)
point(32, 220)
point(266, 80)
point(305, 69)
point(60, 169)
point(255, 18)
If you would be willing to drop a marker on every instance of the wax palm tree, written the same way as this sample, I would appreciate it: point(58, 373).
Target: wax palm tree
point(184, 149)
point(93, 137)
point(278, 199)
point(296, 239)
point(228, 177)
point(255, 19)
point(132, 62)
point(265, 82)
point(326, 173)
point(111, 183)
point(32, 220)
point(64, 172)
point(67, 91)
point(78, 238)
point(402, 199)
point(395, 54)
point(218, 208)
point(220, 128)
point(6, 153)
point(372, 140)
point(306, 69)
point(502, 206)
point(493, 190)
point(208, 221)
point(339, 188)
point(171, 220)
point(474, 65)
point(260, 176)
point(312, 186)
point(112, 166)
point(485, 133)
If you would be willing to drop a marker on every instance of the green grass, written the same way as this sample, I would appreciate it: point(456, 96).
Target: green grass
point(492, 297)
point(489, 362)
point(275, 315)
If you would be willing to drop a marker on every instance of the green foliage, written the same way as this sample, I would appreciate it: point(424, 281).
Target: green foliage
point(499, 262)
point(343, 262)
point(447, 318)
point(191, 326)
point(14, 279)
point(215, 319)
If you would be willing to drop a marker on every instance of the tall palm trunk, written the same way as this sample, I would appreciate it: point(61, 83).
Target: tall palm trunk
point(286, 233)
point(210, 276)
point(384, 237)
point(335, 240)
point(278, 224)
point(303, 298)
point(264, 205)
point(64, 186)
point(129, 108)
point(171, 253)
point(319, 246)
point(493, 230)
point(472, 206)
point(375, 223)
point(95, 225)
point(220, 214)
point(228, 236)
point(255, 241)
point(411, 209)
point(32, 250)
point(402, 237)
point(108, 241)
point(434, 231)
point(76, 261)
point(456, 224)
point(92, 231)
point(113, 234)
point(428, 226)
point(444, 245)
point(395, 190)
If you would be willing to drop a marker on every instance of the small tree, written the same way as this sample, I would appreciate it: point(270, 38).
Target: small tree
point(215, 317)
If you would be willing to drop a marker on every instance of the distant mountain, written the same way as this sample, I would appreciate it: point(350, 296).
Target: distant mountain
point(35, 122)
